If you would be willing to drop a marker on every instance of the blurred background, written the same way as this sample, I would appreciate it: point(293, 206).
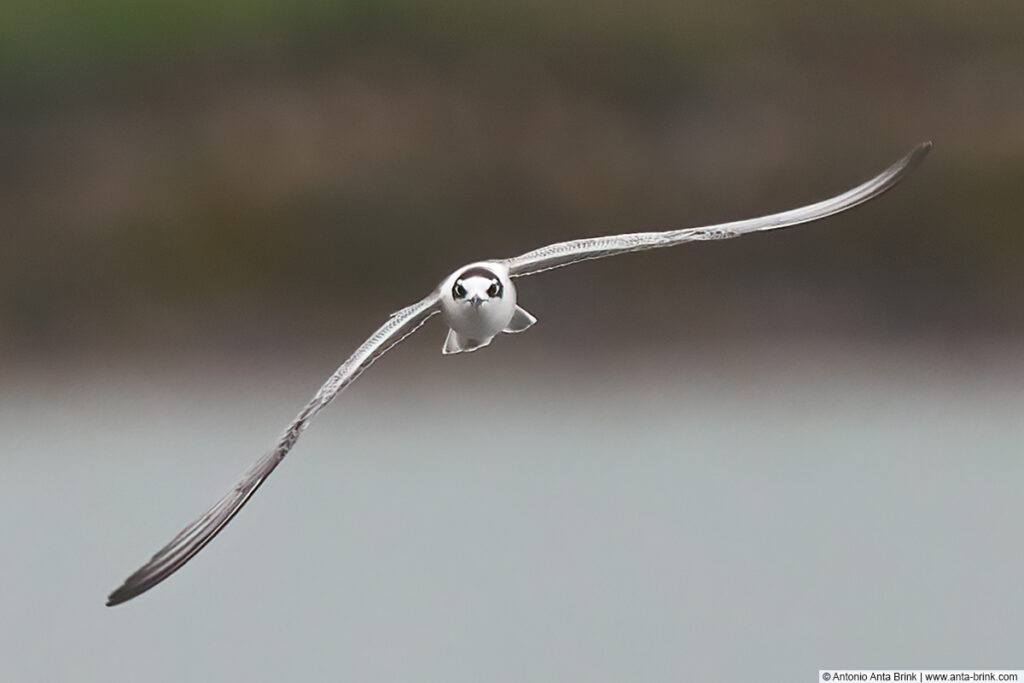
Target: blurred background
point(763, 456)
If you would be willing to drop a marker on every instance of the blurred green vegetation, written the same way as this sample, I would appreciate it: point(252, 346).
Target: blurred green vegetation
point(187, 168)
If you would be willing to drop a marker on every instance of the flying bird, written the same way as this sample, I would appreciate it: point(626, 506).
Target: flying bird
point(477, 302)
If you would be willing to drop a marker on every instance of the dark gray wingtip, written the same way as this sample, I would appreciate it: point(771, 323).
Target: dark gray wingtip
point(119, 596)
point(131, 588)
point(135, 585)
point(904, 166)
point(919, 153)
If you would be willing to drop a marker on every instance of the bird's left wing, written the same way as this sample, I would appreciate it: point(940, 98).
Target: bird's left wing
point(196, 535)
point(567, 253)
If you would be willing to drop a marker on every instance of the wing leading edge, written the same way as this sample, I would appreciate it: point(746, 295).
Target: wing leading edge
point(567, 253)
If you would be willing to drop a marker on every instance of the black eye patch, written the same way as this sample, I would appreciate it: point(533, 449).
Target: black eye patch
point(458, 291)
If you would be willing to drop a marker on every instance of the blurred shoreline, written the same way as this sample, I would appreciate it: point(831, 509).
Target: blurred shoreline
point(174, 171)
point(417, 366)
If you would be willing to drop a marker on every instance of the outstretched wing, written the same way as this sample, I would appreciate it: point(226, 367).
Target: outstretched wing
point(200, 532)
point(567, 253)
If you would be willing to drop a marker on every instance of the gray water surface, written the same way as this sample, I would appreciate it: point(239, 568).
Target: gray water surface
point(683, 525)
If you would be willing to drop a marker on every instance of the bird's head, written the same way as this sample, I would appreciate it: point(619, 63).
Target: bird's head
point(476, 287)
point(478, 300)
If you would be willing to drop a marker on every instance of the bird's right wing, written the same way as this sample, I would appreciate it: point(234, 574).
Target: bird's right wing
point(196, 535)
point(567, 253)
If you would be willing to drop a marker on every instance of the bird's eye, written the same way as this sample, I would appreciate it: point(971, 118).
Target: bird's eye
point(493, 290)
point(458, 291)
